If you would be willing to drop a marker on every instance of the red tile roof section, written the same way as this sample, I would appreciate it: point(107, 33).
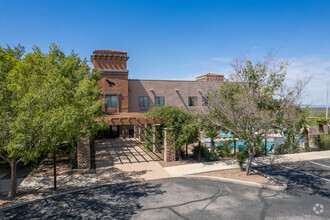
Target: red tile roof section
point(211, 74)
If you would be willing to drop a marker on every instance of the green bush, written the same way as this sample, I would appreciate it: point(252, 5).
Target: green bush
point(206, 155)
point(183, 124)
point(159, 137)
point(324, 141)
point(280, 149)
point(290, 146)
point(204, 151)
point(260, 151)
point(224, 148)
point(241, 157)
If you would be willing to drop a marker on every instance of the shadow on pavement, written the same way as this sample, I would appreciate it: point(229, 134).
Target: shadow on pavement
point(298, 182)
point(118, 201)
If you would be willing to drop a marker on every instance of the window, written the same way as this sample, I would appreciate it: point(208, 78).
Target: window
point(111, 101)
point(192, 101)
point(143, 101)
point(159, 100)
point(205, 101)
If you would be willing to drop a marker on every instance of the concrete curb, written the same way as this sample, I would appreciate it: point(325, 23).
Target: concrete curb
point(273, 178)
point(2, 175)
point(245, 183)
point(5, 208)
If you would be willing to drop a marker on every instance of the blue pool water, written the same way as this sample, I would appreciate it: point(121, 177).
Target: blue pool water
point(240, 145)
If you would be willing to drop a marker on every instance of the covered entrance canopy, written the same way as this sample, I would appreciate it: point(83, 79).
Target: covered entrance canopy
point(131, 118)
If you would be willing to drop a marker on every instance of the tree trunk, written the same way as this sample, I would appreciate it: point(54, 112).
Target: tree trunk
point(212, 144)
point(249, 162)
point(13, 185)
point(54, 160)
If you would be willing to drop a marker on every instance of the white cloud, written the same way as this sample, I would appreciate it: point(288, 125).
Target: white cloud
point(319, 69)
point(299, 67)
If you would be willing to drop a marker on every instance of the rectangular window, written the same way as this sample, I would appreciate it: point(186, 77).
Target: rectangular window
point(159, 100)
point(143, 101)
point(192, 101)
point(111, 101)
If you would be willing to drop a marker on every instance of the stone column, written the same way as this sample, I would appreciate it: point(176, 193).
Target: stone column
point(169, 149)
point(325, 129)
point(83, 153)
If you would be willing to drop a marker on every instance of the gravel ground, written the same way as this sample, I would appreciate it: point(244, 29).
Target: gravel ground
point(237, 174)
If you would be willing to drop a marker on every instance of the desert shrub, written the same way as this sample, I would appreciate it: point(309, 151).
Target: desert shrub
point(290, 146)
point(324, 141)
point(224, 148)
point(241, 157)
point(204, 151)
point(206, 155)
point(212, 156)
point(260, 151)
point(280, 149)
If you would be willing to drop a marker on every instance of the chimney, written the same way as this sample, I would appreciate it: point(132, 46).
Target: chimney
point(109, 60)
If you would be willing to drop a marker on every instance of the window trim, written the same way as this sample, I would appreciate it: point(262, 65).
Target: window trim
point(190, 102)
point(145, 101)
point(111, 101)
point(159, 98)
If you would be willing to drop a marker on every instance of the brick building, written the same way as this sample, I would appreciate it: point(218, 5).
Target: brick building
point(127, 99)
point(123, 95)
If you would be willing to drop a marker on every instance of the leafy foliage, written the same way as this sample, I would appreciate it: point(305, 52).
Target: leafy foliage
point(241, 157)
point(254, 101)
point(46, 99)
point(324, 141)
point(224, 148)
point(206, 155)
point(185, 128)
point(158, 134)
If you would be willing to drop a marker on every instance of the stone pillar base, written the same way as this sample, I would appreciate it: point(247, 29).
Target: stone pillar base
point(83, 153)
point(169, 149)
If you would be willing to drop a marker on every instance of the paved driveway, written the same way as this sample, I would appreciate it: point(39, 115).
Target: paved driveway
point(176, 198)
point(307, 177)
point(121, 160)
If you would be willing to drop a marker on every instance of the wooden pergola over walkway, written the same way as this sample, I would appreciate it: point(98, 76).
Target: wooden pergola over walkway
point(141, 123)
point(131, 118)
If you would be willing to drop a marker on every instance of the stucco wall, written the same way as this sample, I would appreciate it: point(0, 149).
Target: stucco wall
point(176, 92)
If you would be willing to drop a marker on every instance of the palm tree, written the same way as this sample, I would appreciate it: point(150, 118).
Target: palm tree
point(212, 133)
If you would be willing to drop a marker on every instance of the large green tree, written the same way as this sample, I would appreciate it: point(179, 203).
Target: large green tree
point(184, 126)
point(254, 101)
point(46, 99)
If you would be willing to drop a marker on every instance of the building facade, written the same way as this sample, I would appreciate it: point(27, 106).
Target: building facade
point(123, 95)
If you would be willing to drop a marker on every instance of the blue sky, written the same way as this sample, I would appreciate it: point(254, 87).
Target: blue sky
point(181, 39)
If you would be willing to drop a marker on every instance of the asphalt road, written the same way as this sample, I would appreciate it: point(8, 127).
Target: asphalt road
point(185, 198)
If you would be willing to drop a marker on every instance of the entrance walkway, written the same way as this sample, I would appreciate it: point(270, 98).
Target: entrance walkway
point(121, 160)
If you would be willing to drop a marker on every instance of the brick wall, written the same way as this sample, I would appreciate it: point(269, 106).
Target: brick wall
point(113, 65)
